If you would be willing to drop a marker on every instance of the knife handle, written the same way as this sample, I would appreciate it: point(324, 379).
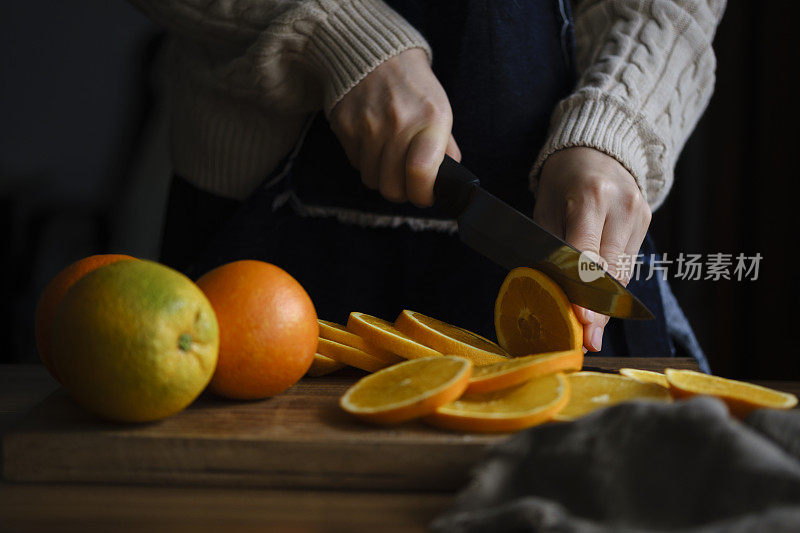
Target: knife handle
point(453, 188)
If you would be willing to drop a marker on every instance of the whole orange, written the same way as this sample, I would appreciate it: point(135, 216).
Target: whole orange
point(135, 341)
point(268, 329)
point(53, 294)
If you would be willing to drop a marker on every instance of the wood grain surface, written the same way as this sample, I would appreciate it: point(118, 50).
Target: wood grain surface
point(121, 508)
point(299, 439)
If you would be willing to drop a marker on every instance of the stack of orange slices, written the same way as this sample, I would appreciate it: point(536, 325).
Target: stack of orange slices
point(434, 388)
point(371, 343)
point(489, 390)
point(455, 379)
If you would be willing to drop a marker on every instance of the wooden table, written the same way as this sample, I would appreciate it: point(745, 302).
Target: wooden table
point(45, 506)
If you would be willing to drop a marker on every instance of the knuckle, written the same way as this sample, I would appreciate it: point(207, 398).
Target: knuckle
point(396, 118)
point(396, 112)
point(631, 198)
point(597, 189)
point(575, 206)
point(435, 112)
point(370, 124)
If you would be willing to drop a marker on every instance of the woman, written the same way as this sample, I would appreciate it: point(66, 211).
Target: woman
point(341, 200)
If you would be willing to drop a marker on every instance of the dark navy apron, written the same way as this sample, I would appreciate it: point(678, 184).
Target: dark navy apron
point(504, 65)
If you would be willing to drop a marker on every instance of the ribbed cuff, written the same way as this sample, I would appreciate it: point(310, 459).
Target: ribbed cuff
point(224, 147)
point(356, 37)
point(597, 120)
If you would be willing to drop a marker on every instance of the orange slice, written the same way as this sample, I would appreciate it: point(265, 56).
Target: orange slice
point(408, 390)
point(525, 405)
point(740, 397)
point(446, 338)
point(322, 365)
point(515, 371)
point(348, 355)
point(594, 390)
point(645, 376)
point(532, 315)
point(384, 335)
point(337, 332)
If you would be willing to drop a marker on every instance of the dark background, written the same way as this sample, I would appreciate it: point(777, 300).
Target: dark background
point(84, 169)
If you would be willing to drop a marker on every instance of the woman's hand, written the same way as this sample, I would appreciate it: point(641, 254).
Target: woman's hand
point(593, 202)
point(395, 128)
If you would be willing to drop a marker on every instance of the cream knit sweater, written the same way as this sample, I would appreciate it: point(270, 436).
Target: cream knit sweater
point(244, 76)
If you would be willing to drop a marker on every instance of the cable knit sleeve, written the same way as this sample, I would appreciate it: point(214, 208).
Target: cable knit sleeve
point(646, 75)
point(296, 55)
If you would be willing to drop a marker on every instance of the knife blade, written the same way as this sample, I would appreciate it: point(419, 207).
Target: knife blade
point(501, 233)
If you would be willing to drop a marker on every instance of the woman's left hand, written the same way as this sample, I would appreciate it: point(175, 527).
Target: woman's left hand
point(591, 201)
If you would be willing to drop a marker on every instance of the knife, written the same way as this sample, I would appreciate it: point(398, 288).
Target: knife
point(510, 239)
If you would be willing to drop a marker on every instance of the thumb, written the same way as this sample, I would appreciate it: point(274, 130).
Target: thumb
point(452, 149)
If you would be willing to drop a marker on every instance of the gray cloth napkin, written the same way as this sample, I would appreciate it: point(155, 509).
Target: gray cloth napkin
point(640, 466)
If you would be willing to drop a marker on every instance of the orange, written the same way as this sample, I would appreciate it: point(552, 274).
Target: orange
point(645, 376)
point(322, 366)
point(338, 333)
point(740, 397)
point(135, 341)
point(518, 370)
point(520, 407)
point(53, 294)
point(533, 315)
point(594, 390)
point(350, 356)
point(268, 329)
point(384, 335)
point(408, 390)
point(449, 339)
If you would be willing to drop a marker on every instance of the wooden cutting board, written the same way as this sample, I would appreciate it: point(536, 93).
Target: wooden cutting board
point(298, 439)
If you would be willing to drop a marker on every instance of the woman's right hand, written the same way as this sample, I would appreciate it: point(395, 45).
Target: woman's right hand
point(395, 127)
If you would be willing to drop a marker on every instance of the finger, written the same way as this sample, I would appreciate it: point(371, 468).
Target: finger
point(583, 228)
point(425, 155)
point(615, 235)
point(392, 170)
point(593, 337)
point(369, 163)
point(583, 225)
point(585, 316)
point(452, 149)
point(635, 244)
point(613, 244)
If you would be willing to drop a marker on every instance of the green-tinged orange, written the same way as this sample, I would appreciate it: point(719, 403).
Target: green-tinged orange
point(54, 292)
point(135, 341)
